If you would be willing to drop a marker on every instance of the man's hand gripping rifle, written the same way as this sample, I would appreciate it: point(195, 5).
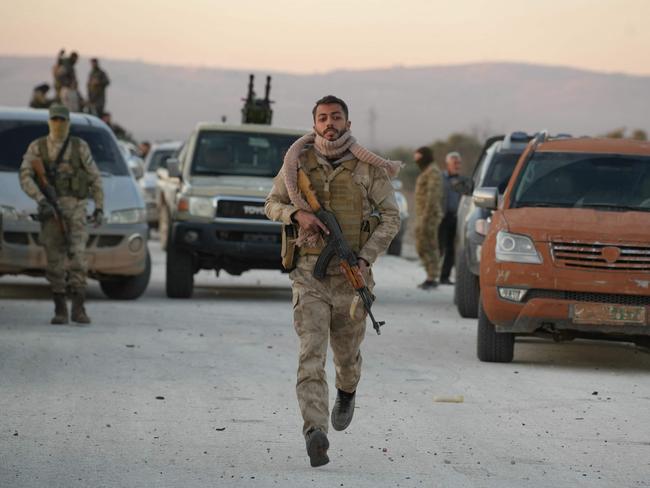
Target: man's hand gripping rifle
point(50, 195)
point(337, 246)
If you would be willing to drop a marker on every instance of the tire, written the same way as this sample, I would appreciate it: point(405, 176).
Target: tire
point(179, 279)
point(395, 248)
point(128, 287)
point(466, 289)
point(493, 346)
point(163, 225)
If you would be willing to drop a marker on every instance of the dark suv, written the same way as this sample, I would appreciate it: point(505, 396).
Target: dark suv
point(494, 168)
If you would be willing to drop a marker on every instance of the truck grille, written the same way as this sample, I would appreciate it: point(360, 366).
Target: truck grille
point(241, 209)
point(610, 257)
point(580, 296)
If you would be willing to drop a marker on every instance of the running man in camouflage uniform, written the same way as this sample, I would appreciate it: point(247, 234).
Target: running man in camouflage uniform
point(322, 309)
point(428, 215)
point(76, 178)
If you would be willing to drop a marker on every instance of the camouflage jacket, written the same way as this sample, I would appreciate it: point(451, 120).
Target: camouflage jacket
point(428, 197)
point(379, 197)
point(28, 178)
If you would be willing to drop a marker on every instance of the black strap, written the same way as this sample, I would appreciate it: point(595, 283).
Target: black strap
point(55, 167)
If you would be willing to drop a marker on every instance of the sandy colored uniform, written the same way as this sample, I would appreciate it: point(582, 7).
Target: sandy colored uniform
point(322, 308)
point(73, 209)
point(428, 215)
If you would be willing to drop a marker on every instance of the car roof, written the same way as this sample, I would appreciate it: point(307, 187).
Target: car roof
point(254, 128)
point(166, 145)
point(596, 145)
point(41, 115)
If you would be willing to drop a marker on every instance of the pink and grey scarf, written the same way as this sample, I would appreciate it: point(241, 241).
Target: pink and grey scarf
point(329, 149)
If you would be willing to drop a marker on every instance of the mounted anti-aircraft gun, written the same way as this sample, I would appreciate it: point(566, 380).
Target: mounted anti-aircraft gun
point(257, 110)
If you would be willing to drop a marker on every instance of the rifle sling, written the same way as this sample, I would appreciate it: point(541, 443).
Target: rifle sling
point(59, 157)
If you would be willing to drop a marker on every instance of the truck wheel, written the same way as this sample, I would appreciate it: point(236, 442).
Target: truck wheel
point(179, 280)
point(493, 346)
point(128, 287)
point(395, 248)
point(466, 290)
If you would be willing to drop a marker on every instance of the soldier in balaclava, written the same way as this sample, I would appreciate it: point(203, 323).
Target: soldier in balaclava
point(73, 174)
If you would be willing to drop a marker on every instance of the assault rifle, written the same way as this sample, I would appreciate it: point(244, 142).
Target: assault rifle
point(50, 195)
point(337, 246)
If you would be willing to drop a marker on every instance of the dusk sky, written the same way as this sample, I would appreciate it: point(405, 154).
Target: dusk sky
point(309, 36)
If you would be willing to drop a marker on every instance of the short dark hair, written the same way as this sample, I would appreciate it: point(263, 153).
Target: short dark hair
point(327, 99)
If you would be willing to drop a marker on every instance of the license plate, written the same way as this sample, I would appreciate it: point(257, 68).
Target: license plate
point(603, 314)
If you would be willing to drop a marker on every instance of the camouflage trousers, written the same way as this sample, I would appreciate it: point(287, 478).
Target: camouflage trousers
point(324, 309)
point(426, 245)
point(74, 215)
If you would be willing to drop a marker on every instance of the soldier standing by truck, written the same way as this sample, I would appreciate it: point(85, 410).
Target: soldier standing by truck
point(353, 183)
point(428, 214)
point(58, 171)
point(97, 83)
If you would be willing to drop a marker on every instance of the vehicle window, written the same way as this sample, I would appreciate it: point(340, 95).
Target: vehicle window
point(239, 153)
point(478, 171)
point(607, 181)
point(15, 137)
point(159, 159)
point(499, 173)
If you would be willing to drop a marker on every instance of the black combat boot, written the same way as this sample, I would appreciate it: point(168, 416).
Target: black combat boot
point(343, 410)
point(78, 313)
point(60, 309)
point(317, 446)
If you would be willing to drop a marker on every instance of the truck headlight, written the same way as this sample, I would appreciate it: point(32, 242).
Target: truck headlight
point(516, 248)
point(128, 216)
point(201, 207)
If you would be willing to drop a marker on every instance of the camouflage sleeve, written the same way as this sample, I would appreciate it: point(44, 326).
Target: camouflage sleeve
point(95, 177)
point(278, 206)
point(434, 197)
point(382, 198)
point(27, 175)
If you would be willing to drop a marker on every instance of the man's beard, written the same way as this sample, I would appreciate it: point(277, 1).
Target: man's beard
point(338, 133)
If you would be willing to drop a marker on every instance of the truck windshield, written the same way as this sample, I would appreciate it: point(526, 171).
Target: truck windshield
point(240, 153)
point(159, 159)
point(15, 136)
point(605, 181)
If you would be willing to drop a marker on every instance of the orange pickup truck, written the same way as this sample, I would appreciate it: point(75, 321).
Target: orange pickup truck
point(567, 253)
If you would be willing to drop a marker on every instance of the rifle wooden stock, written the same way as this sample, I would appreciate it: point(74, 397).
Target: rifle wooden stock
point(39, 170)
point(50, 196)
point(310, 195)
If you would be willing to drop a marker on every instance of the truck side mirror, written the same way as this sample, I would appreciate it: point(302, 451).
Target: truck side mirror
point(173, 168)
point(486, 197)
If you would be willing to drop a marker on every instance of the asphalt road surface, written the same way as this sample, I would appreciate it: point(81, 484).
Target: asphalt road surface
point(200, 393)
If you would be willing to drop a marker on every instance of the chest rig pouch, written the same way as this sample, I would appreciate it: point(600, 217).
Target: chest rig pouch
point(340, 193)
point(72, 178)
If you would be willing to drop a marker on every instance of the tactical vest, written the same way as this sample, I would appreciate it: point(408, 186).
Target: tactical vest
point(338, 193)
point(73, 182)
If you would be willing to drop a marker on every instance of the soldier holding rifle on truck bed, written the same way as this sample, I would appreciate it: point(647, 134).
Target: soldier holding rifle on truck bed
point(58, 171)
point(332, 300)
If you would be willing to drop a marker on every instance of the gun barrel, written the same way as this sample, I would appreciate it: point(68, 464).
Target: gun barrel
point(268, 89)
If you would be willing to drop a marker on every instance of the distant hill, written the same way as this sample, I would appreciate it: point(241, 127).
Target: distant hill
point(412, 106)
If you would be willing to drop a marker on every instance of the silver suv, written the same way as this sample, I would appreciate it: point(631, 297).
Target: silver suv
point(117, 251)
